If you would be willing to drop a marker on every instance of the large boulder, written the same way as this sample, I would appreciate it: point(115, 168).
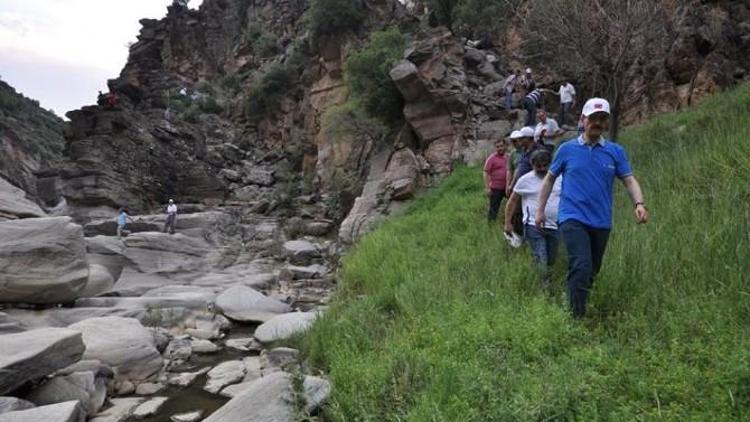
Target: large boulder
point(100, 280)
point(69, 411)
point(284, 326)
point(37, 353)
point(122, 343)
point(42, 260)
point(10, 404)
point(271, 399)
point(13, 203)
point(82, 386)
point(242, 303)
point(164, 253)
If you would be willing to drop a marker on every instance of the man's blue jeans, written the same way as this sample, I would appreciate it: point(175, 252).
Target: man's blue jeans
point(585, 246)
point(543, 246)
point(530, 107)
point(508, 99)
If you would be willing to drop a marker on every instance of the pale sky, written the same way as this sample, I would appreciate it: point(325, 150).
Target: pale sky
point(61, 52)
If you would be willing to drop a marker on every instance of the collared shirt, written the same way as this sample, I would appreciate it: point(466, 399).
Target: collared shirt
point(172, 209)
point(589, 172)
point(496, 167)
point(122, 219)
point(534, 96)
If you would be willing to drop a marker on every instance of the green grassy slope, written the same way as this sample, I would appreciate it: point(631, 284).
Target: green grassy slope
point(438, 320)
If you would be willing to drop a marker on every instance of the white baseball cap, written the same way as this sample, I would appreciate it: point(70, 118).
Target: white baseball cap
point(527, 132)
point(528, 70)
point(595, 105)
point(516, 134)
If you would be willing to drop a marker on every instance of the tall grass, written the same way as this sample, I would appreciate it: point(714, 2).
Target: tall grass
point(437, 320)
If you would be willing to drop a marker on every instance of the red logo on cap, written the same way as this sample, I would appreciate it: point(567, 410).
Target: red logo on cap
point(598, 105)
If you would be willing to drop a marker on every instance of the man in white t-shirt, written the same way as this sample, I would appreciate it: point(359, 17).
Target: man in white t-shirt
point(567, 95)
point(546, 130)
point(543, 243)
point(171, 217)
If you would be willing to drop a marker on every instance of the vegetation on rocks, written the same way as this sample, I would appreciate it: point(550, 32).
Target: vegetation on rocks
point(40, 131)
point(329, 17)
point(368, 77)
point(437, 319)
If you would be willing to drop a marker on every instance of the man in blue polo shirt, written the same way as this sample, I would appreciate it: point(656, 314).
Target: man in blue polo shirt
point(589, 164)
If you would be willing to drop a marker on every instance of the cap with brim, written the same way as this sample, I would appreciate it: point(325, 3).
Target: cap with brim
point(595, 105)
point(516, 134)
point(527, 132)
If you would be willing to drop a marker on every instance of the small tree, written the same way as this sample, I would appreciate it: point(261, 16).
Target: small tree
point(598, 41)
point(367, 73)
point(329, 17)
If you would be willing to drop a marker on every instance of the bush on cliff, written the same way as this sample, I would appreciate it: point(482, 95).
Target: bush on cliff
point(437, 320)
point(330, 17)
point(368, 75)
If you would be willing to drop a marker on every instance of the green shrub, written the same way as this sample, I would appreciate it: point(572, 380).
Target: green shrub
point(329, 17)
point(210, 105)
point(264, 43)
point(368, 75)
point(266, 92)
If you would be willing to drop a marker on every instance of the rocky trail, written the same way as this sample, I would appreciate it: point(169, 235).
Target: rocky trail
point(157, 327)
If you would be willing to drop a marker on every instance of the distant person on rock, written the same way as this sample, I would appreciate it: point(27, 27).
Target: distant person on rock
point(546, 130)
point(171, 217)
point(531, 101)
point(122, 220)
point(528, 81)
point(567, 94)
point(111, 99)
point(589, 164)
point(495, 173)
point(101, 99)
point(509, 86)
point(543, 242)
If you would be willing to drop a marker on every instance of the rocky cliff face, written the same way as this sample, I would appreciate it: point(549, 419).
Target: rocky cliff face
point(225, 103)
point(29, 137)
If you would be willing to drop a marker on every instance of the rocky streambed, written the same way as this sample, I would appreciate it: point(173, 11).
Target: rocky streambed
point(160, 327)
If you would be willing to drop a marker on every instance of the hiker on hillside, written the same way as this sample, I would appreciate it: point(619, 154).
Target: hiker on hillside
point(567, 94)
point(542, 241)
point(495, 173)
point(531, 101)
point(509, 86)
point(513, 158)
point(546, 130)
point(525, 145)
point(122, 220)
point(589, 165)
point(171, 217)
point(528, 81)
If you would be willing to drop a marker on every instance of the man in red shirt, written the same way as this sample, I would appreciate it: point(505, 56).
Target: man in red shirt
point(495, 173)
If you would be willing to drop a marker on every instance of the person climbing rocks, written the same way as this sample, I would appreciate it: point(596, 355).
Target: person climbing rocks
point(528, 81)
point(101, 99)
point(171, 217)
point(531, 101)
point(546, 130)
point(542, 241)
point(589, 165)
point(495, 173)
point(122, 220)
point(509, 86)
point(111, 99)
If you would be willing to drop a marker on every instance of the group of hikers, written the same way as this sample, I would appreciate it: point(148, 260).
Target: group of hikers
point(123, 216)
point(560, 193)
